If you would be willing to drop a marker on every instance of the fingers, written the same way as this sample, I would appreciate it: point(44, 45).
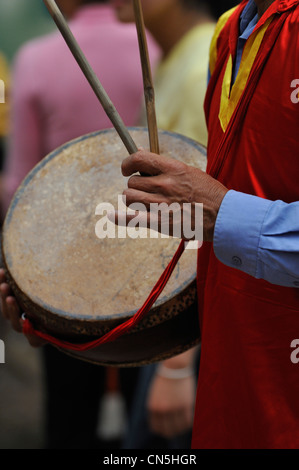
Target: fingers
point(12, 312)
point(10, 308)
point(135, 196)
point(170, 425)
point(147, 163)
point(145, 184)
point(143, 162)
point(160, 188)
point(2, 276)
point(35, 342)
point(155, 221)
point(4, 292)
point(124, 219)
point(170, 405)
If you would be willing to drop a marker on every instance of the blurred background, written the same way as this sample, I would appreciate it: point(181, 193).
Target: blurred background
point(21, 406)
point(21, 20)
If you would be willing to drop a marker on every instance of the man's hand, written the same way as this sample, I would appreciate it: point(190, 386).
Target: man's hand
point(12, 312)
point(170, 405)
point(171, 181)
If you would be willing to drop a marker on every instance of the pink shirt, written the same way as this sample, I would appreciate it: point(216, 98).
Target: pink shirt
point(52, 101)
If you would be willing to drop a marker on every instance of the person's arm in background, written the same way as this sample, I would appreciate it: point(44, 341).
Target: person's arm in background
point(259, 237)
point(24, 140)
point(171, 397)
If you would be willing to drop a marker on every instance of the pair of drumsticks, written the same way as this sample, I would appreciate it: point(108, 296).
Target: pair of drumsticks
point(97, 87)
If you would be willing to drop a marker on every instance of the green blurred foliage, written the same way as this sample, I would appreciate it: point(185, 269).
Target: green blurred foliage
point(20, 21)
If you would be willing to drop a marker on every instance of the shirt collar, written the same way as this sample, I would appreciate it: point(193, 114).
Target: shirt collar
point(248, 19)
point(249, 16)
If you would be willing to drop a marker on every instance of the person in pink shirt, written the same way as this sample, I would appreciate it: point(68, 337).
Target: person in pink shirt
point(52, 103)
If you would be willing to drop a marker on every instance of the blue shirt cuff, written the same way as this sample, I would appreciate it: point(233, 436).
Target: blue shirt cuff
point(242, 238)
point(238, 229)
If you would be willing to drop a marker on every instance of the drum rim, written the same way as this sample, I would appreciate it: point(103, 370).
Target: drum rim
point(68, 144)
point(15, 200)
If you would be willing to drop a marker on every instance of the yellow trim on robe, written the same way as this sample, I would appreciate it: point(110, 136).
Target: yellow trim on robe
point(230, 96)
point(220, 25)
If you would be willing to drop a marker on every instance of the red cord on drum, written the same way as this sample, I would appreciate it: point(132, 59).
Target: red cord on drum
point(28, 328)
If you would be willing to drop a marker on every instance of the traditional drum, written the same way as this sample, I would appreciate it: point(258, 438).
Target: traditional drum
point(78, 287)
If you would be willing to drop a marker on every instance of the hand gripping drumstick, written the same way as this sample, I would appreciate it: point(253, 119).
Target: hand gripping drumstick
point(91, 76)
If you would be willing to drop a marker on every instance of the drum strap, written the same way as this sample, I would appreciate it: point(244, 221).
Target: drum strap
point(28, 328)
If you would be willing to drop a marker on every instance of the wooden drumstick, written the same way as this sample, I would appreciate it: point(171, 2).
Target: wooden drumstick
point(90, 75)
point(147, 78)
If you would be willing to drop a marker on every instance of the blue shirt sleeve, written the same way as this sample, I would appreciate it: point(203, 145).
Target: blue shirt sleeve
point(259, 237)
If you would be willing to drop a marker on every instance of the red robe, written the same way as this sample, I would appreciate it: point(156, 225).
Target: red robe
point(248, 387)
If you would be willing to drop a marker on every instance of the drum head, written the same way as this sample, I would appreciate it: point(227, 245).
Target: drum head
point(72, 282)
